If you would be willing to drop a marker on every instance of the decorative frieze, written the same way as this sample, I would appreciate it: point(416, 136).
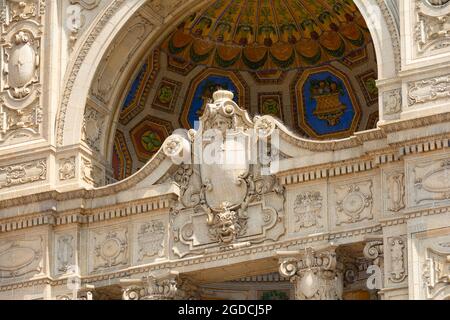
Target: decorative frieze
point(354, 202)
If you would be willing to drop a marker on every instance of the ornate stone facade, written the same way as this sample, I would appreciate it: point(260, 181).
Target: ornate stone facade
point(238, 205)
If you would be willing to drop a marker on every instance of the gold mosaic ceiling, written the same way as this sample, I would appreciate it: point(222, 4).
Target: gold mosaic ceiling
point(258, 35)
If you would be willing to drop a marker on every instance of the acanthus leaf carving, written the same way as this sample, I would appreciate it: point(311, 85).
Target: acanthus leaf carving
point(431, 181)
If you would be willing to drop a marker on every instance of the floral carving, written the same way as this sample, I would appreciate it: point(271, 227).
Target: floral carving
point(151, 239)
point(354, 202)
point(316, 275)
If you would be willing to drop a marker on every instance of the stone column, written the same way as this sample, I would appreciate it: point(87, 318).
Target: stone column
point(316, 275)
point(165, 285)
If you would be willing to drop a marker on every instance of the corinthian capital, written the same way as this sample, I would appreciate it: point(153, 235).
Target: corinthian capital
point(316, 275)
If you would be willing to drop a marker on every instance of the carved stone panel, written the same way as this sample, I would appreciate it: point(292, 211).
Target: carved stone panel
point(108, 248)
point(397, 260)
point(431, 260)
point(354, 202)
point(394, 191)
point(19, 10)
point(150, 240)
point(306, 209)
point(21, 64)
point(429, 181)
point(21, 257)
point(87, 4)
point(65, 252)
point(436, 271)
point(92, 130)
point(392, 102)
point(428, 90)
point(118, 57)
point(226, 201)
point(23, 123)
point(432, 25)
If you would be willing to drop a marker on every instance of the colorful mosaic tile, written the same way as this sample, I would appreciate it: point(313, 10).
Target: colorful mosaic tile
point(166, 95)
point(326, 105)
point(271, 104)
point(148, 136)
point(368, 85)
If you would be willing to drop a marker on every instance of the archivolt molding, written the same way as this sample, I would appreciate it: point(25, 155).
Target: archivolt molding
point(163, 9)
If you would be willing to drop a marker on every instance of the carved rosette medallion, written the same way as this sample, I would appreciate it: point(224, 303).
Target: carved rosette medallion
point(354, 203)
point(110, 249)
point(398, 260)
